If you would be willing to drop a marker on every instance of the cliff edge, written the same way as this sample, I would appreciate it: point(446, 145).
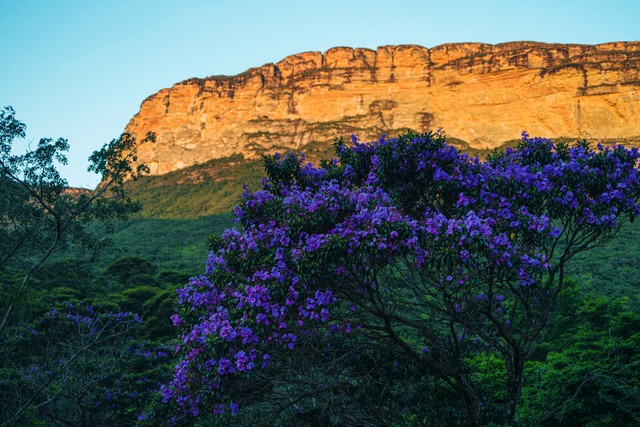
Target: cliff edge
point(479, 93)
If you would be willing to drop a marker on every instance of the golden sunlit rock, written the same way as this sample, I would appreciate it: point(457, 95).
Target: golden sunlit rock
point(479, 93)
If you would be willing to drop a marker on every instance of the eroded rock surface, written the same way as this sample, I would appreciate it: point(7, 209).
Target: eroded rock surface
point(479, 93)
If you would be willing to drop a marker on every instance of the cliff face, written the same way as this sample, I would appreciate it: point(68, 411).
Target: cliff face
point(479, 93)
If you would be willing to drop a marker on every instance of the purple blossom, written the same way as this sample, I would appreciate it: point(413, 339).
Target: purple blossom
point(306, 243)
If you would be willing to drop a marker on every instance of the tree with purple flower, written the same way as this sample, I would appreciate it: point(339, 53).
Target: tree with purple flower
point(381, 288)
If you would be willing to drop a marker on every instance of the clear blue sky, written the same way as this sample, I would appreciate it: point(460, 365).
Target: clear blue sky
point(80, 69)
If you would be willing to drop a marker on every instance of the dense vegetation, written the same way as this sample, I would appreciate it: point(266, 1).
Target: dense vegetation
point(178, 244)
point(64, 360)
point(171, 244)
point(87, 337)
point(199, 190)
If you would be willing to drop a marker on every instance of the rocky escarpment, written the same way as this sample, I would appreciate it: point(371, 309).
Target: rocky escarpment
point(479, 93)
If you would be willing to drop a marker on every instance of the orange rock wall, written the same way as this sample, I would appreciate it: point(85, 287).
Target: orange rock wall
point(479, 93)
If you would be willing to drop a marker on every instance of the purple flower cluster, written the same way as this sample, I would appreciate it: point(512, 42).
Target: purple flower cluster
point(78, 345)
point(311, 237)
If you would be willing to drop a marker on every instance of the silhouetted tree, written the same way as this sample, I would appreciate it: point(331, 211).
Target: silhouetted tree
point(40, 216)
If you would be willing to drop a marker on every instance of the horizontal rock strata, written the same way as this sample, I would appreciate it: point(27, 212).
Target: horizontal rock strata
point(479, 93)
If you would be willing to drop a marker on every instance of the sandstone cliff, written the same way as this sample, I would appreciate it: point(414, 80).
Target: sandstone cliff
point(479, 93)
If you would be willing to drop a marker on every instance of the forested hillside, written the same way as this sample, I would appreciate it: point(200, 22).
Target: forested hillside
point(339, 300)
